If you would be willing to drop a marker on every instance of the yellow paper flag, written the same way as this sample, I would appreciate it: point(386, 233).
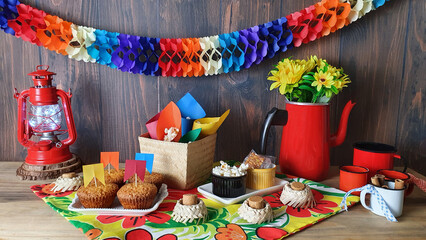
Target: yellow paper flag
point(91, 171)
point(210, 125)
point(110, 157)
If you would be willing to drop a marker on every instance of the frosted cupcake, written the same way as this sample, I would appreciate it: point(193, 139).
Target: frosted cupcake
point(140, 196)
point(101, 196)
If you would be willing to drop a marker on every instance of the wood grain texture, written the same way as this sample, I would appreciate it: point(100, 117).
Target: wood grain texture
point(384, 54)
point(411, 134)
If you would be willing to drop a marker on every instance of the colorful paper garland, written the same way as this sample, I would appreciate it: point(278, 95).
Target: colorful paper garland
point(187, 57)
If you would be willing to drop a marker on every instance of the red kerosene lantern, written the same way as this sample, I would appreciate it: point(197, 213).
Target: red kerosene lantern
point(40, 118)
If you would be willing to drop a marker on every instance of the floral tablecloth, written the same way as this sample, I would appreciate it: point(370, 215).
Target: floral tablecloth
point(223, 221)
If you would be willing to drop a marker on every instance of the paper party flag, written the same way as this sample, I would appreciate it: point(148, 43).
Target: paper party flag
point(110, 158)
point(151, 126)
point(191, 136)
point(170, 117)
point(189, 107)
point(210, 125)
point(93, 171)
point(148, 157)
point(133, 167)
point(186, 125)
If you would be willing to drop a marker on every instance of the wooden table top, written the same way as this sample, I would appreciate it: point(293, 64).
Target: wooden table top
point(25, 216)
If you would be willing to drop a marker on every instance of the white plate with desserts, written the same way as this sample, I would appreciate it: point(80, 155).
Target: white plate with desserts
point(117, 209)
point(207, 191)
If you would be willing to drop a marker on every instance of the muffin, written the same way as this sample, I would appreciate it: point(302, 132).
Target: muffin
point(114, 176)
point(155, 178)
point(100, 196)
point(140, 196)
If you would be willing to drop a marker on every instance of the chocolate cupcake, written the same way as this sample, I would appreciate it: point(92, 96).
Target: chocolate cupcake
point(101, 196)
point(140, 196)
point(114, 176)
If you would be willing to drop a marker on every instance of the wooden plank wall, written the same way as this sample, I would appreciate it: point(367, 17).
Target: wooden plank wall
point(384, 54)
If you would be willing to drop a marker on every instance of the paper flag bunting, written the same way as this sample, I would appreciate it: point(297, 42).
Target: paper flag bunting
point(93, 171)
point(191, 136)
point(210, 125)
point(82, 38)
point(169, 117)
point(262, 44)
point(250, 39)
point(148, 158)
point(152, 50)
point(9, 12)
point(210, 57)
point(57, 34)
point(178, 57)
point(110, 158)
point(333, 13)
point(103, 47)
point(26, 24)
point(189, 107)
point(151, 126)
point(133, 167)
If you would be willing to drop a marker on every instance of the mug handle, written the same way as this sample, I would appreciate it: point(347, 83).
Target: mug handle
point(274, 117)
point(362, 198)
point(403, 160)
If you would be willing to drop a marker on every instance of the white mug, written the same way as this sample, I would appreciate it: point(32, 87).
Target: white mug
point(394, 198)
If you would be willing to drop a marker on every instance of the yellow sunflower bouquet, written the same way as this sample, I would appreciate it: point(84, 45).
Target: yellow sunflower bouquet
point(312, 80)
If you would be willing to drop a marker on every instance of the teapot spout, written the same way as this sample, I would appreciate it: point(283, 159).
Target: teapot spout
point(338, 138)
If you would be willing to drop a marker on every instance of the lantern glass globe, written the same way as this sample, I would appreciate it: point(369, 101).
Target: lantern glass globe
point(45, 118)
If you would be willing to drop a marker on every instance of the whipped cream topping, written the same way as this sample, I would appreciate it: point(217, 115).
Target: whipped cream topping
point(227, 171)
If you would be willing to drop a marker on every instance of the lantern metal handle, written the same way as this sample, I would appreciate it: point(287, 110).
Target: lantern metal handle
point(39, 67)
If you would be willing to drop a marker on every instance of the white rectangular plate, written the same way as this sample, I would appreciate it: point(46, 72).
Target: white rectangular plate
point(117, 209)
point(207, 191)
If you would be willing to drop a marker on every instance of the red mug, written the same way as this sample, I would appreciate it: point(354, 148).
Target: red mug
point(391, 175)
point(352, 177)
point(375, 156)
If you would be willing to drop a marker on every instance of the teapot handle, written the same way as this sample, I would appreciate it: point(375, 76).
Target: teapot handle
point(274, 117)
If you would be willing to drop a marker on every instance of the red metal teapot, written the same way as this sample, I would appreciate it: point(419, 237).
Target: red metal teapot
point(306, 139)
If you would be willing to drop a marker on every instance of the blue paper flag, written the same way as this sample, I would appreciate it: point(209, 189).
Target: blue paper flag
point(186, 125)
point(189, 107)
point(148, 157)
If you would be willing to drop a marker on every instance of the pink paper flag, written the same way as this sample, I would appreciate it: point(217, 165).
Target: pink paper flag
point(133, 167)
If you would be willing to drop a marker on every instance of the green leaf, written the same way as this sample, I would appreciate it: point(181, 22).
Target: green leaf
point(304, 87)
point(308, 77)
point(334, 90)
point(306, 82)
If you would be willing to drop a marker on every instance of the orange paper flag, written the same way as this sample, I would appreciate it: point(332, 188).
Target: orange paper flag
point(111, 158)
point(169, 117)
